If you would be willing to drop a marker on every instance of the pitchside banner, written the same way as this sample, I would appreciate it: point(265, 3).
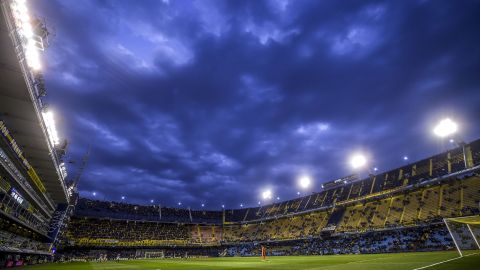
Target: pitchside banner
point(16, 149)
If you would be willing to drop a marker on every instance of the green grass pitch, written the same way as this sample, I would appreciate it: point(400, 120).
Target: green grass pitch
point(396, 261)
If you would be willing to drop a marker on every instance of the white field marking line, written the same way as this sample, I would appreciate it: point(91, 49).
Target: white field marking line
point(423, 267)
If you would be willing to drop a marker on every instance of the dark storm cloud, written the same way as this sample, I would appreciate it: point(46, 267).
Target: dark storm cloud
point(212, 101)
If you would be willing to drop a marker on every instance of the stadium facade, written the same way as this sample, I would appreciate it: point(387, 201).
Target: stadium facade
point(32, 174)
point(394, 211)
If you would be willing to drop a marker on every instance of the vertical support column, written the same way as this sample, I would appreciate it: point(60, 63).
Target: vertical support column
point(388, 211)
point(223, 216)
point(461, 199)
point(430, 167)
point(373, 184)
point(449, 162)
point(421, 201)
point(440, 198)
point(350, 192)
point(453, 238)
point(467, 156)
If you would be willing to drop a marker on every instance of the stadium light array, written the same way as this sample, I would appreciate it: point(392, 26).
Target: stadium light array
point(179, 203)
point(151, 201)
point(241, 205)
point(405, 158)
point(304, 181)
point(25, 30)
point(203, 205)
point(358, 161)
point(123, 197)
point(445, 127)
point(49, 120)
point(267, 194)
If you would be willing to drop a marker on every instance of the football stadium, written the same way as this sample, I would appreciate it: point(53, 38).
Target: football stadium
point(60, 212)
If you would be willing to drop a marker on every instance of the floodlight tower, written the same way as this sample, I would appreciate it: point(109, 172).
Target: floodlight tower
point(267, 194)
point(446, 129)
point(358, 161)
point(304, 181)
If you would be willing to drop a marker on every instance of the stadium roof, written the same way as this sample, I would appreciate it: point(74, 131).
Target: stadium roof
point(23, 117)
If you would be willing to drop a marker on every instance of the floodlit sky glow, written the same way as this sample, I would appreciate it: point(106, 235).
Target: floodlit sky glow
point(304, 181)
point(445, 127)
point(358, 161)
point(210, 101)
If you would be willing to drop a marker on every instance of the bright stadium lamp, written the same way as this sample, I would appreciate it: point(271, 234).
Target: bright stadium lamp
point(358, 161)
point(267, 194)
point(30, 42)
point(445, 127)
point(304, 181)
point(49, 120)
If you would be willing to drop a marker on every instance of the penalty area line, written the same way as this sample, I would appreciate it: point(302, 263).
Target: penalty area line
point(449, 260)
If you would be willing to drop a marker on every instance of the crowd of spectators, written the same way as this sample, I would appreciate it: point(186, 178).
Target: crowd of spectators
point(428, 238)
point(10, 242)
point(92, 232)
point(293, 227)
point(11, 207)
point(433, 237)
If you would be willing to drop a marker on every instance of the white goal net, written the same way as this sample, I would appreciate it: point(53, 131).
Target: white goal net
point(465, 233)
point(154, 254)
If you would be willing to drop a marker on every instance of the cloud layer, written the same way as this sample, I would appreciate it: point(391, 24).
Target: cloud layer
point(213, 101)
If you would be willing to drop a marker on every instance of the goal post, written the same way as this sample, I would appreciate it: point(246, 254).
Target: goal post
point(154, 254)
point(465, 233)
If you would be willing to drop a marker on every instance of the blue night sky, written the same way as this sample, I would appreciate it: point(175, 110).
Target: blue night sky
point(213, 101)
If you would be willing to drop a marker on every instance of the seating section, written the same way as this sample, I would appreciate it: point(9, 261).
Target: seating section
point(427, 238)
point(10, 242)
point(294, 227)
point(104, 232)
point(408, 208)
point(206, 235)
point(456, 198)
point(411, 196)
